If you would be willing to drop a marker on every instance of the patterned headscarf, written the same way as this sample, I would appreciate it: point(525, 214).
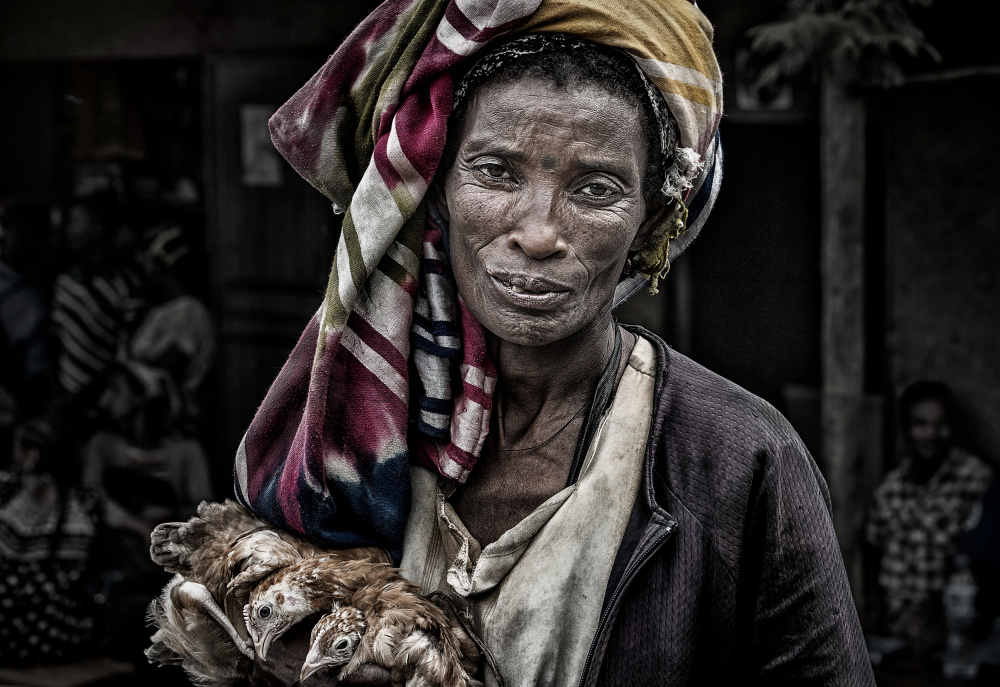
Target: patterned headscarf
point(328, 452)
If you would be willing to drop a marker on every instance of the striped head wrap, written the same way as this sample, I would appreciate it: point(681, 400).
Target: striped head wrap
point(393, 367)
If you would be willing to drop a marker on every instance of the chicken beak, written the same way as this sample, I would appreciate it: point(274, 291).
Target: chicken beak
point(261, 643)
point(313, 663)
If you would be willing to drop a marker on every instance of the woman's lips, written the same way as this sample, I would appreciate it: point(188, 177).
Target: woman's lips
point(527, 288)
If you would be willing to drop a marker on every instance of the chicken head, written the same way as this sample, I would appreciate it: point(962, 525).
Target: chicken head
point(334, 639)
point(271, 612)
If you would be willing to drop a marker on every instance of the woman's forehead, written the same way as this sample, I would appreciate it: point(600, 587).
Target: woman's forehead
point(531, 113)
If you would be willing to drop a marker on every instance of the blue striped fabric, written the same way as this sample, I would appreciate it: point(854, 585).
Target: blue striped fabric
point(436, 333)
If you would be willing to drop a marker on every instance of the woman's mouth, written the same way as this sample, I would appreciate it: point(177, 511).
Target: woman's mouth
point(527, 288)
point(516, 287)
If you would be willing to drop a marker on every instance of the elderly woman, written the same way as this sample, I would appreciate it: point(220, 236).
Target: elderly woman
point(599, 508)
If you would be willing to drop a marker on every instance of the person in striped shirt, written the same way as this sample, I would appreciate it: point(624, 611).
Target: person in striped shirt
point(95, 303)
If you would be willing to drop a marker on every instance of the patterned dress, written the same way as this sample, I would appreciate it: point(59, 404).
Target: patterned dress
point(916, 526)
point(43, 617)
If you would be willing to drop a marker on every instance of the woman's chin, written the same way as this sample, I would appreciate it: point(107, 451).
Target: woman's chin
point(539, 318)
point(530, 330)
point(521, 334)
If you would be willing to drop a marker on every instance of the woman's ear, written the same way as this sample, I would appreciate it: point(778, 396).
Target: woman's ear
point(656, 210)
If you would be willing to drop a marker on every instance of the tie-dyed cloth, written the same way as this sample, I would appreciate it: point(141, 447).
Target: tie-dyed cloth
point(328, 452)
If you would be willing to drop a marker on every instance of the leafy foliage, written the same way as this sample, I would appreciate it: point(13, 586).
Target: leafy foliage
point(854, 40)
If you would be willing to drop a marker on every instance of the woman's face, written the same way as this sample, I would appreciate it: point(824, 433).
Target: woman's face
point(544, 202)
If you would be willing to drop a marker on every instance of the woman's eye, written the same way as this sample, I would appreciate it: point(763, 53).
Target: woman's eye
point(599, 190)
point(493, 171)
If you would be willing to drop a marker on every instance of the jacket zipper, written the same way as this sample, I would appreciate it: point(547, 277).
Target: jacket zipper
point(622, 584)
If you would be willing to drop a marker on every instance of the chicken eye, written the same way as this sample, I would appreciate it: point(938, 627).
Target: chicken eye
point(264, 612)
point(341, 644)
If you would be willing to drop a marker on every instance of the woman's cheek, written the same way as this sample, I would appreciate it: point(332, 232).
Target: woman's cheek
point(482, 215)
point(603, 232)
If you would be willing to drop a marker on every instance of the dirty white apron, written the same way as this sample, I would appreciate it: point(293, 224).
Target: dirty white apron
point(534, 596)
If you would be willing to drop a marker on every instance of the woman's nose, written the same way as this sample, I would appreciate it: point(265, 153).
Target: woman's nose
point(538, 229)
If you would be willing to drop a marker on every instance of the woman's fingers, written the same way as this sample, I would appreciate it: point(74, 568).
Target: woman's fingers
point(284, 659)
point(369, 674)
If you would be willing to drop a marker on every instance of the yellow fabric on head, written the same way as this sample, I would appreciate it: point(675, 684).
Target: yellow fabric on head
point(670, 39)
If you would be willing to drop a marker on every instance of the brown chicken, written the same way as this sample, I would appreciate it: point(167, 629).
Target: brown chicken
point(218, 558)
point(400, 630)
point(334, 639)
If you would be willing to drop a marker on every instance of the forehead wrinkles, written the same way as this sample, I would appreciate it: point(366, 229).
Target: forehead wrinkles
point(525, 114)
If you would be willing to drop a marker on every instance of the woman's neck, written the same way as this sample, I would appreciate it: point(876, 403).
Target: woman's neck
point(550, 381)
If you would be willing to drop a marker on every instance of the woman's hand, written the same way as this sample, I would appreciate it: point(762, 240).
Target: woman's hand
point(369, 674)
point(288, 652)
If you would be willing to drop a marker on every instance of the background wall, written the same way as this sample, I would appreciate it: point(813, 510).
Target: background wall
point(110, 29)
point(943, 250)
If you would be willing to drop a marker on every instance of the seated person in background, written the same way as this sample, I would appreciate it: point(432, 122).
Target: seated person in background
point(917, 512)
point(24, 388)
point(47, 524)
point(177, 332)
point(148, 474)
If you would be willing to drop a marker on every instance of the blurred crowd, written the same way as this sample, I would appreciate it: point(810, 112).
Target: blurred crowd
point(104, 347)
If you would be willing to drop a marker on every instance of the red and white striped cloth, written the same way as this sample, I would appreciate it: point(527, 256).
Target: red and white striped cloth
point(328, 452)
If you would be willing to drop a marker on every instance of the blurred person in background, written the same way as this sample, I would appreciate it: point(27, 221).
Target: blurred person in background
point(177, 332)
point(47, 526)
point(27, 241)
point(146, 475)
point(916, 515)
point(24, 237)
point(96, 301)
point(147, 472)
point(981, 542)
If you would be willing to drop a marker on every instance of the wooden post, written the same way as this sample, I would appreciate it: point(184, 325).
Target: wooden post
point(842, 158)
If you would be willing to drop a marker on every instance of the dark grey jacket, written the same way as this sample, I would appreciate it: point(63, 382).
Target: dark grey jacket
point(729, 571)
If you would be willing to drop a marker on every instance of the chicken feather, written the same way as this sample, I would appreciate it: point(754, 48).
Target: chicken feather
point(226, 550)
point(405, 632)
point(188, 637)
